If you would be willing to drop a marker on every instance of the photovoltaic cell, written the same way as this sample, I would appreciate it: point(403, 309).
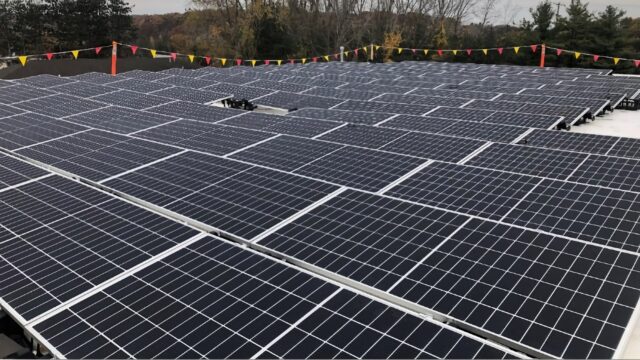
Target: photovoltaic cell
point(119, 119)
point(192, 95)
point(364, 136)
point(83, 89)
point(626, 147)
point(59, 105)
point(360, 168)
point(594, 144)
point(238, 91)
point(6, 110)
point(29, 129)
point(482, 131)
point(435, 147)
point(426, 124)
point(529, 160)
point(487, 193)
point(44, 81)
point(561, 297)
point(358, 117)
point(132, 99)
point(461, 114)
point(139, 85)
point(14, 171)
point(521, 119)
point(608, 171)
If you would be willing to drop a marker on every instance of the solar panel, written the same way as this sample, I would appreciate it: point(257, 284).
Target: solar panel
point(529, 160)
point(342, 93)
point(595, 144)
point(17, 93)
point(600, 215)
point(360, 117)
point(139, 85)
point(59, 105)
point(249, 307)
point(461, 113)
point(571, 113)
point(192, 95)
point(284, 125)
point(119, 119)
point(96, 78)
point(44, 81)
point(481, 192)
point(282, 86)
point(27, 129)
point(435, 147)
point(626, 147)
point(483, 131)
point(293, 101)
point(560, 297)
point(146, 76)
point(239, 92)
point(393, 108)
point(362, 135)
point(83, 89)
point(364, 237)
point(286, 152)
point(96, 155)
point(360, 168)
point(608, 171)
point(418, 123)
point(188, 82)
point(132, 99)
point(14, 171)
point(76, 237)
point(496, 106)
point(521, 119)
point(211, 138)
point(193, 111)
point(421, 100)
point(6, 110)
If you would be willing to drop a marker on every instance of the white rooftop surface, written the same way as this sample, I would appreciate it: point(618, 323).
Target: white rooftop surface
point(619, 123)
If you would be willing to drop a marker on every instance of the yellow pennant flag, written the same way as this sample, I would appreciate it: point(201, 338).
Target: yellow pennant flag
point(365, 49)
point(616, 60)
point(253, 63)
point(279, 62)
point(75, 54)
point(23, 60)
point(399, 50)
point(153, 53)
point(426, 52)
point(485, 51)
point(326, 57)
point(578, 55)
point(304, 60)
point(516, 49)
point(346, 53)
point(377, 47)
point(455, 52)
point(223, 61)
point(191, 57)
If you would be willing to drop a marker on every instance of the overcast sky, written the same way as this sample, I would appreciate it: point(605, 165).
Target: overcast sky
point(508, 9)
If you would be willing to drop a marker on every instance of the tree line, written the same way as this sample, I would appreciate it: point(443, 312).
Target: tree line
point(279, 29)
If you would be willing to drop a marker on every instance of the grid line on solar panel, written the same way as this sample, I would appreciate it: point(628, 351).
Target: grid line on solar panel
point(76, 237)
point(24, 130)
point(239, 91)
point(96, 154)
point(132, 99)
point(188, 82)
point(17, 93)
point(435, 147)
point(482, 192)
point(608, 171)
point(626, 147)
point(364, 136)
point(59, 105)
point(141, 76)
point(187, 110)
point(83, 89)
point(426, 124)
point(14, 172)
point(368, 118)
point(6, 111)
point(44, 81)
point(554, 164)
point(296, 126)
point(554, 295)
point(120, 120)
point(288, 329)
point(586, 143)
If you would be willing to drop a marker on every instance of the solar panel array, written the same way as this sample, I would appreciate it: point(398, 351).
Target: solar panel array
point(423, 210)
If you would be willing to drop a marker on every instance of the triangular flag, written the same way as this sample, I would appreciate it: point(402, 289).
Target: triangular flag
point(500, 51)
point(413, 51)
point(596, 58)
point(23, 60)
point(485, 51)
point(173, 56)
point(267, 62)
point(637, 63)
point(399, 50)
point(75, 53)
point(616, 61)
point(365, 49)
point(469, 51)
point(377, 47)
point(355, 52)
point(153, 53)
point(49, 56)
point(455, 52)
point(253, 63)
point(292, 61)
point(559, 52)
point(134, 49)
point(346, 53)
point(98, 49)
point(238, 62)
point(304, 60)
point(207, 59)
point(439, 52)
point(578, 55)
point(191, 58)
point(314, 59)
point(326, 58)
point(516, 49)
point(279, 62)
point(426, 52)
point(336, 56)
point(223, 61)
point(534, 48)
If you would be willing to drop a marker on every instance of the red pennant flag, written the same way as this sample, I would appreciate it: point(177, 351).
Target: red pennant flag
point(267, 62)
point(173, 56)
point(134, 49)
point(98, 49)
point(356, 52)
point(469, 52)
point(314, 59)
point(413, 51)
point(292, 61)
point(534, 48)
point(500, 50)
point(207, 59)
point(637, 63)
point(49, 56)
point(596, 58)
point(336, 56)
point(238, 62)
point(439, 52)
point(559, 52)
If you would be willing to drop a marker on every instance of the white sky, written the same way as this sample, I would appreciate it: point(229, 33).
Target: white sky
point(507, 10)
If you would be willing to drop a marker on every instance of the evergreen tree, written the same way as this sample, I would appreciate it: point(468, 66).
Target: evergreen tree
point(543, 15)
